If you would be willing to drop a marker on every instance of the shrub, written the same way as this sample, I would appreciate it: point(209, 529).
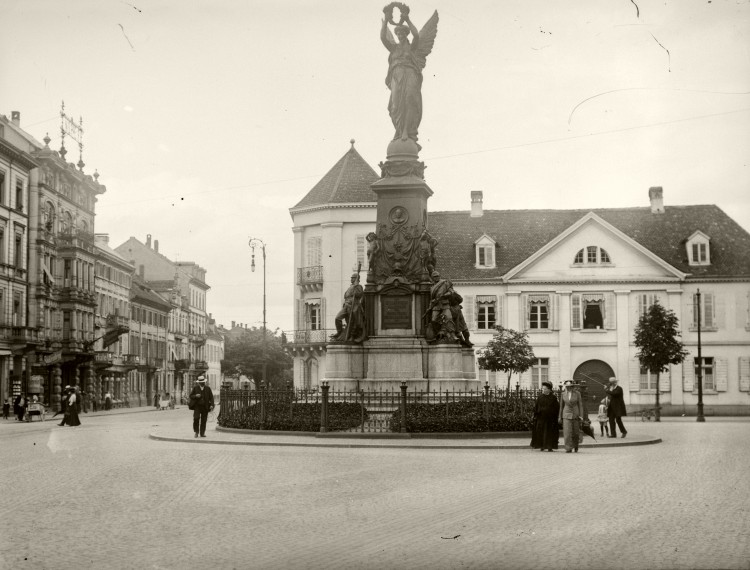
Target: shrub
point(303, 417)
point(468, 416)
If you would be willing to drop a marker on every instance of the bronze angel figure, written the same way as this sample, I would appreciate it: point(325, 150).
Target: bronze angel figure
point(405, 64)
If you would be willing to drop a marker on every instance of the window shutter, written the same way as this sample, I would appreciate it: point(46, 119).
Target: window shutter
point(744, 373)
point(524, 308)
point(708, 311)
point(575, 307)
point(665, 380)
point(469, 312)
point(688, 374)
point(634, 375)
point(499, 311)
point(300, 314)
point(553, 320)
point(490, 250)
point(323, 313)
point(722, 374)
point(610, 311)
point(719, 321)
point(692, 303)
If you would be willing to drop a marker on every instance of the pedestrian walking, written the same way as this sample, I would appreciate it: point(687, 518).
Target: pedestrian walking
point(6, 408)
point(571, 414)
point(70, 417)
point(616, 409)
point(201, 401)
point(602, 416)
point(107, 401)
point(19, 407)
point(156, 399)
point(545, 432)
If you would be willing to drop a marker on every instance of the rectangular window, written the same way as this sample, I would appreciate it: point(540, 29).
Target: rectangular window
point(314, 317)
point(539, 372)
point(18, 253)
point(592, 307)
point(19, 195)
point(2, 187)
point(17, 309)
point(645, 300)
point(314, 253)
point(699, 253)
point(648, 380)
point(538, 314)
point(706, 370)
point(486, 311)
point(485, 255)
point(707, 311)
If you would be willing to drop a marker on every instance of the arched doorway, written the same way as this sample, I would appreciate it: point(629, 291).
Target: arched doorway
point(596, 374)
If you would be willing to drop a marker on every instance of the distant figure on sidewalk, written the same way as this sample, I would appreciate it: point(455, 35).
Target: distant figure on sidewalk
point(19, 407)
point(571, 414)
point(545, 430)
point(616, 409)
point(201, 400)
point(602, 416)
point(6, 408)
point(156, 400)
point(107, 401)
point(71, 409)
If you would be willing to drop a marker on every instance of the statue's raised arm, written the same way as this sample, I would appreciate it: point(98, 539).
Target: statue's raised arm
point(406, 61)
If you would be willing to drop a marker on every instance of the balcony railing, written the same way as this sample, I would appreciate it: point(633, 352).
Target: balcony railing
point(132, 360)
point(201, 365)
point(312, 275)
point(103, 357)
point(307, 336)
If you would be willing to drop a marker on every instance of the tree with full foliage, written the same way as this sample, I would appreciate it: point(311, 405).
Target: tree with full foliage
point(245, 355)
point(509, 351)
point(657, 337)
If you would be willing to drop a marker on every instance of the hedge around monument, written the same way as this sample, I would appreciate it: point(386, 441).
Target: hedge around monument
point(467, 417)
point(304, 417)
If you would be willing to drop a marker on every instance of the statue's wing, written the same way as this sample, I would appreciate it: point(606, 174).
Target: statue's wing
point(426, 40)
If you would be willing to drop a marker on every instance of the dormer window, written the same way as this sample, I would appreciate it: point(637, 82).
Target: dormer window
point(591, 254)
point(485, 252)
point(698, 250)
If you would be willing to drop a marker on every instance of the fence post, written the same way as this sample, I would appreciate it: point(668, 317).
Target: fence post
point(487, 401)
point(262, 405)
point(403, 407)
point(324, 407)
point(362, 410)
point(290, 389)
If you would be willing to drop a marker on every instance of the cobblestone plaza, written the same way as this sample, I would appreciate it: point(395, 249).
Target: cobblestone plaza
point(105, 495)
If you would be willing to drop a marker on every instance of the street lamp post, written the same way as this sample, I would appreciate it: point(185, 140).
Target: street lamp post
point(253, 243)
point(701, 417)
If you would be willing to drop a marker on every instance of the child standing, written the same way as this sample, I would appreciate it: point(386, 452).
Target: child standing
point(602, 416)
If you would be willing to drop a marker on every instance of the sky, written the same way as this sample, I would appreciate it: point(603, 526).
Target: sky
point(208, 119)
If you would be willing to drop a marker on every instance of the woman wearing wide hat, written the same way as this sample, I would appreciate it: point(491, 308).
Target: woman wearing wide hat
point(545, 431)
point(571, 414)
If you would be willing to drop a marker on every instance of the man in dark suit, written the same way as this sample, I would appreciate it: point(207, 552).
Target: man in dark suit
point(202, 400)
point(571, 413)
point(616, 409)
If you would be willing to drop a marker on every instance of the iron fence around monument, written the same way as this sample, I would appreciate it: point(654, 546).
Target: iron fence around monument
point(376, 411)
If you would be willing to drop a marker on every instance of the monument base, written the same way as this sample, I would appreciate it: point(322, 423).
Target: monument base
point(383, 363)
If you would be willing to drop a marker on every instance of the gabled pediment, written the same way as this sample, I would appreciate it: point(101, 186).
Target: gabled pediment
point(593, 249)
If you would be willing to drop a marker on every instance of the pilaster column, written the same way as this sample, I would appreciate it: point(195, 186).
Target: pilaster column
point(625, 329)
point(674, 303)
point(513, 316)
point(563, 318)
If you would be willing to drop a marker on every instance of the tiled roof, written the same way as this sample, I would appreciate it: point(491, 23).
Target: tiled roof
point(347, 182)
point(520, 233)
point(143, 292)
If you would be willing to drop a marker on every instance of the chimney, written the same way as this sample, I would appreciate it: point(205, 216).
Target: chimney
point(148, 240)
point(476, 204)
point(15, 117)
point(156, 245)
point(656, 196)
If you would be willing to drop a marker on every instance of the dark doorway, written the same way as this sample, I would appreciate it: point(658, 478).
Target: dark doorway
point(596, 374)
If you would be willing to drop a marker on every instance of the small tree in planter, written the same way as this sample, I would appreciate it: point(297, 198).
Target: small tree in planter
point(657, 337)
point(509, 351)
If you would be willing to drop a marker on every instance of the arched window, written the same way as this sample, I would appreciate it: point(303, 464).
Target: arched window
point(591, 254)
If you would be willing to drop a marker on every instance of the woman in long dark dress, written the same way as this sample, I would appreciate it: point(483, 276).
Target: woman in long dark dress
point(71, 410)
point(545, 432)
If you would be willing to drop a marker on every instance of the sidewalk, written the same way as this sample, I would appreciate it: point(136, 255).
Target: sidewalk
point(225, 436)
point(115, 411)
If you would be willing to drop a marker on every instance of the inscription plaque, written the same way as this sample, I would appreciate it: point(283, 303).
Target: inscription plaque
point(395, 311)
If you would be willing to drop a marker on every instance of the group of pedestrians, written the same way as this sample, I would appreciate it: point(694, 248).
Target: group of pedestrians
point(570, 414)
point(70, 407)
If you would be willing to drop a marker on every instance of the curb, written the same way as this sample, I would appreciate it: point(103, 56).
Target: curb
point(414, 445)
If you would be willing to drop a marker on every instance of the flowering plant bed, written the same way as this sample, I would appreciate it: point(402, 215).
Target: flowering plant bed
point(294, 417)
point(466, 416)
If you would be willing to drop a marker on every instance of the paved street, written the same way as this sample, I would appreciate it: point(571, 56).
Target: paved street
point(105, 495)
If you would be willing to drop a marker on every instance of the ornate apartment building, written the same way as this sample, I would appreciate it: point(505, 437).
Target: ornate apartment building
point(576, 281)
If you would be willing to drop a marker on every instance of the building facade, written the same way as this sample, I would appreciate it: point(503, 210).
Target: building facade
point(576, 281)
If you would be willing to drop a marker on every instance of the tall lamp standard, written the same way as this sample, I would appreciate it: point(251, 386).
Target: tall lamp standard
point(253, 243)
point(701, 417)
